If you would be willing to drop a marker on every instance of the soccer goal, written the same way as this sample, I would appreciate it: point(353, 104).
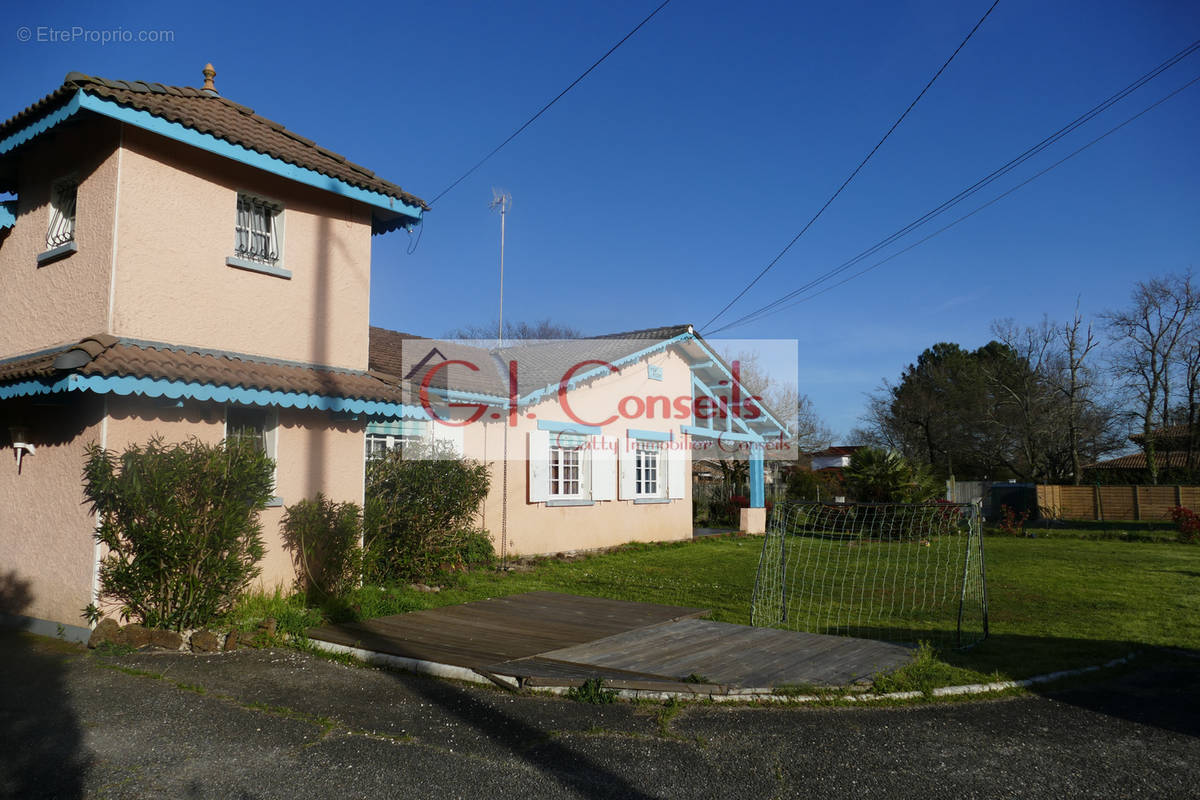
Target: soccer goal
point(903, 573)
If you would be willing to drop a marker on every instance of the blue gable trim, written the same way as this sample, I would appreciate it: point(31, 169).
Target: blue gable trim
point(207, 142)
point(716, 362)
point(41, 126)
point(568, 427)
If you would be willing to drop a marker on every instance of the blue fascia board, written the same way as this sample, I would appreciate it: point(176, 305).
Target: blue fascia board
point(207, 142)
point(716, 362)
point(568, 427)
point(650, 436)
point(41, 125)
point(176, 390)
point(712, 433)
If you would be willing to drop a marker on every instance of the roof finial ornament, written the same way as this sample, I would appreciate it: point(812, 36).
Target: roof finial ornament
point(209, 73)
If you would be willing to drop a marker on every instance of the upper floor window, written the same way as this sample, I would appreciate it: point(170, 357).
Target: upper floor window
point(62, 214)
point(258, 231)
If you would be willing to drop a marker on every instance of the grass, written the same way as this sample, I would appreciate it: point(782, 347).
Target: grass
point(1056, 602)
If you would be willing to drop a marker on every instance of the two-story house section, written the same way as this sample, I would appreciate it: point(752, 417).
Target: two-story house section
point(173, 264)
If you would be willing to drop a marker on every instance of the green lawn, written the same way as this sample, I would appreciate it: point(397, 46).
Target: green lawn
point(1056, 602)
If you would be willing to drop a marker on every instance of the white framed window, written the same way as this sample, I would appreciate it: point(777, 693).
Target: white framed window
point(258, 231)
point(566, 467)
point(647, 470)
point(62, 213)
point(387, 437)
point(653, 468)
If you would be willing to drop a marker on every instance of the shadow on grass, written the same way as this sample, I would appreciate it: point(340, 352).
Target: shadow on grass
point(42, 754)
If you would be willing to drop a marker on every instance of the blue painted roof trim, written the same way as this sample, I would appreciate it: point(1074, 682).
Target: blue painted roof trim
point(8, 214)
point(721, 366)
point(211, 144)
point(175, 390)
point(713, 433)
point(42, 125)
point(650, 436)
point(568, 427)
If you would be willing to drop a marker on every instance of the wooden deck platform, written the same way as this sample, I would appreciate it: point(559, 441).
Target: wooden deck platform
point(552, 639)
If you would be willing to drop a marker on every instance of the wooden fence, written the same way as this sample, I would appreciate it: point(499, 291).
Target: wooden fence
point(1115, 502)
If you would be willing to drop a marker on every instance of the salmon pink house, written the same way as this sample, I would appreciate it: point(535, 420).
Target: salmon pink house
point(173, 264)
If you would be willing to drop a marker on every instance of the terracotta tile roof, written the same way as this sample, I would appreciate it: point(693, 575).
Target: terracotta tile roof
point(837, 450)
point(1174, 459)
point(1164, 435)
point(222, 118)
point(109, 356)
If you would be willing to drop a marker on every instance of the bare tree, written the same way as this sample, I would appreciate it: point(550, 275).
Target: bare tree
point(1146, 338)
point(1074, 379)
point(514, 331)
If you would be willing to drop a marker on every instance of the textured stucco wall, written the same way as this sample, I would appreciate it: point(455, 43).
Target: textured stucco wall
point(67, 299)
point(47, 551)
point(176, 229)
point(535, 528)
point(314, 453)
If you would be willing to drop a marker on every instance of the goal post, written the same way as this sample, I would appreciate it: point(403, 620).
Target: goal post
point(898, 572)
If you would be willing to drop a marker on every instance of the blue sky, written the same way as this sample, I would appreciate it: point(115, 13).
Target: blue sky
point(656, 189)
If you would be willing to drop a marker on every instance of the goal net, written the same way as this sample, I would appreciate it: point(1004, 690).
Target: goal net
point(903, 573)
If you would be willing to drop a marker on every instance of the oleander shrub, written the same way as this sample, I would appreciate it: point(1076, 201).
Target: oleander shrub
point(180, 524)
point(323, 538)
point(421, 515)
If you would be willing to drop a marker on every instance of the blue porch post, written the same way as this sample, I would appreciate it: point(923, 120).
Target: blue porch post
point(757, 489)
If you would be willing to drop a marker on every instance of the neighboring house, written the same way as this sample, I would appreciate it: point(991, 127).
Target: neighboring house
point(835, 457)
point(598, 435)
point(176, 265)
point(1177, 455)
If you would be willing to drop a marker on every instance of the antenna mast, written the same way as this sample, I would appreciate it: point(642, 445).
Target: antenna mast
point(503, 201)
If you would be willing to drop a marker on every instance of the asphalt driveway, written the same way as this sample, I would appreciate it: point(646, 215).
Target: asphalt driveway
point(281, 724)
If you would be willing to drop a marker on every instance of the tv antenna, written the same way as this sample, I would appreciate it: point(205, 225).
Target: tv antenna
point(503, 201)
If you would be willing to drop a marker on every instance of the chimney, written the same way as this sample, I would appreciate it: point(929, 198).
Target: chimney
point(209, 73)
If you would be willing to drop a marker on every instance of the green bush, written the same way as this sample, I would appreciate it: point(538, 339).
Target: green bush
point(420, 516)
point(323, 538)
point(181, 526)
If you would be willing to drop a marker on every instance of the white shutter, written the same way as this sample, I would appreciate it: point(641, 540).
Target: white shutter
point(539, 466)
point(604, 467)
point(678, 468)
point(627, 468)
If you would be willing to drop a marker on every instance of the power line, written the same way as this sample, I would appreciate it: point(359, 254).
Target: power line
point(981, 183)
point(546, 107)
point(766, 311)
point(861, 164)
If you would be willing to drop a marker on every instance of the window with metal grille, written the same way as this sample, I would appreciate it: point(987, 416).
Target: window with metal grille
point(257, 230)
point(566, 467)
point(253, 425)
point(380, 444)
point(647, 461)
point(62, 214)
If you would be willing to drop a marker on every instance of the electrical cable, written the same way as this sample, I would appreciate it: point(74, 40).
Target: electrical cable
point(857, 169)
